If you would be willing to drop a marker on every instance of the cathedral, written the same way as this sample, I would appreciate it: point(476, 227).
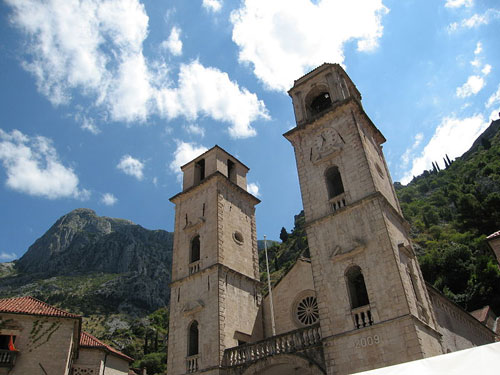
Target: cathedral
point(359, 303)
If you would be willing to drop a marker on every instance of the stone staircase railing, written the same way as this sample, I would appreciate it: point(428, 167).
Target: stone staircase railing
point(285, 343)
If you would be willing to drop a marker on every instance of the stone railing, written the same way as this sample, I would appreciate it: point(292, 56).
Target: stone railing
point(7, 358)
point(289, 342)
point(338, 202)
point(194, 267)
point(362, 316)
point(192, 363)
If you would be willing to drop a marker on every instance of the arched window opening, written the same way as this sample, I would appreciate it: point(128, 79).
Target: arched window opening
point(357, 288)
point(195, 249)
point(320, 103)
point(334, 182)
point(199, 171)
point(193, 339)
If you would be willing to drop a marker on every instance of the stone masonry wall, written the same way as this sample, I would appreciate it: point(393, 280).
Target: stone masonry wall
point(41, 341)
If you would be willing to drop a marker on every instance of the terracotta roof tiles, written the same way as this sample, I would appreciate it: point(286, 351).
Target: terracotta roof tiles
point(89, 341)
point(32, 306)
point(494, 235)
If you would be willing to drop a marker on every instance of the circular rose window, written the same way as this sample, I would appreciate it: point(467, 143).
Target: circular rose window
point(306, 310)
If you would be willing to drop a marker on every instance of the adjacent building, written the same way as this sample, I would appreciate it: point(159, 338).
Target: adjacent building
point(37, 338)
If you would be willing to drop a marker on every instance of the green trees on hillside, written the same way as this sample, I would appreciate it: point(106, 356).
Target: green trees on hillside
point(451, 212)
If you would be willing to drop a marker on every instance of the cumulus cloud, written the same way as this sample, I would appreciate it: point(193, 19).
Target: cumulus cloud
point(459, 3)
point(95, 48)
point(6, 257)
point(132, 167)
point(473, 85)
point(33, 167)
point(253, 189)
point(208, 91)
point(173, 44)
point(185, 152)
point(282, 39)
point(195, 130)
point(108, 199)
point(212, 5)
point(486, 69)
point(475, 20)
point(453, 137)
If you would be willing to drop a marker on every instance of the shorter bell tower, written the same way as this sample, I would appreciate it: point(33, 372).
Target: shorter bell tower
point(373, 304)
point(214, 294)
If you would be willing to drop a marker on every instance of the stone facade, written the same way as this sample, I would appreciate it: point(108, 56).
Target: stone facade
point(215, 276)
point(44, 344)
point(359, 303)
point(37, 338)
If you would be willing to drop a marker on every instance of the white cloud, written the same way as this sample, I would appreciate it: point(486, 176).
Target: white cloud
point(212, 5)
point(132, 167)
point(185, 152)
point(486, 69)
point(173, 43)
point(453, 137)
point(475, 20)
point(473, 85)
point(459, 3)
point(33, 167)
point(405, 158)
point(108, 199)
point(253, 189)
point(89, 125)
point(95, 48)
point(494, 98)
point(6, 257)
point(282, 39)
point(195, 130)
point(208, 91)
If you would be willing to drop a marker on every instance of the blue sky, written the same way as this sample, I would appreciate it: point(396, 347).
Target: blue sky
point(102, 100)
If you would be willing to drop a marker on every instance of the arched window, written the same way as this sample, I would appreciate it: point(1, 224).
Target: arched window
point(357, 288)
point(195, 249)
point(320, 103)
point(333, 182)
point(193, 339)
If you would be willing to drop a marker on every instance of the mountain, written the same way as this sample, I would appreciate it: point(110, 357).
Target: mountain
point(132, 263)
point(111, 271)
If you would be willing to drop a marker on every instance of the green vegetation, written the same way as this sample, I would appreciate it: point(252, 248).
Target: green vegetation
point(282, 256)
point(451, 212)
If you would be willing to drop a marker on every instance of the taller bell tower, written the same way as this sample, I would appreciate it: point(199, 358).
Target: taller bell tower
point(373, 304)
point(214, 298)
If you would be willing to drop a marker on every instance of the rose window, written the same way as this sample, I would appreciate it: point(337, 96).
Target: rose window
point(307, 312)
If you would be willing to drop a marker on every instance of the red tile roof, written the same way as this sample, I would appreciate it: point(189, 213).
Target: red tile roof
point(89, 341)
point(32, 306)
point(494, 235)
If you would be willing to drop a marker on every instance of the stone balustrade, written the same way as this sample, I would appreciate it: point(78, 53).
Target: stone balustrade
point(362, 316)
point(194, 267)
point(338, 202)
point(289, 342)
point(7, 357)
point(192, 363)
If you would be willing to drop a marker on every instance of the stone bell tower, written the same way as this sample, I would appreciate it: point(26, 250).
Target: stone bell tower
point(214, 296)
point(373, 304)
